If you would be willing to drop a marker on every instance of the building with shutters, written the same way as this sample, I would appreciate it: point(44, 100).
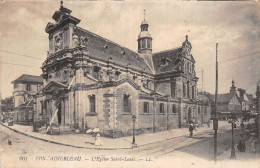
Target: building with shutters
point(25, 87)
point(90, 82)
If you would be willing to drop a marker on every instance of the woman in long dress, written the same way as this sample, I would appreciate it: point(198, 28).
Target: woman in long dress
point(253, 140)
point(98, 140)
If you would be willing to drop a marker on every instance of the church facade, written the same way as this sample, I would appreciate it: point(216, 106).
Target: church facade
point(92, 82)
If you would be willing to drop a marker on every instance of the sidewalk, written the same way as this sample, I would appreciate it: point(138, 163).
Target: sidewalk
point(86, 140)
point(243, 156)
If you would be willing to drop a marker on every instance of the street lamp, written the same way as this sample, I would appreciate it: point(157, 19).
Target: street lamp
point(233, 154)
point(134, 119)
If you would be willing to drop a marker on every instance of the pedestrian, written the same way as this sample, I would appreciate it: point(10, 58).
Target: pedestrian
point(196, 126)
point(98, 140)
point(253, 140)
point(208, 123)
point(193, 120)
point(191, 130)
point(242, 125)
point(248, 127)
point(241, 144)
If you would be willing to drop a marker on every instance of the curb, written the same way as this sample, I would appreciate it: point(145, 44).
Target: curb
point(58, 143)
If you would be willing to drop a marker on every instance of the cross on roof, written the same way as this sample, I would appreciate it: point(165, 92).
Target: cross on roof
point(144, 14)
point(61, 3)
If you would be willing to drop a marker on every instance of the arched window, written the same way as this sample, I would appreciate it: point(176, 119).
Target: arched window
point(174, 108)
point(92, 103)
point(127, 103)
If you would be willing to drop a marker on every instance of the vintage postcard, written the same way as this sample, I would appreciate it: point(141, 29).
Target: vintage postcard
point(129, 84)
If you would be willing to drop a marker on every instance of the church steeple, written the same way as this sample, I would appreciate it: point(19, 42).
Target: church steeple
point(233, 88)
point(144, 38)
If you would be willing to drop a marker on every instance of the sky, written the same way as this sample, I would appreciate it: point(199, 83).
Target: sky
point(233, 25)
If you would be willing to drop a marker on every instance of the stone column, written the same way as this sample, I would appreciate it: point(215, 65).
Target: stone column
point(66, 115)
point(99, 108)
point(154, 112)
point(79, 95)
point(168, 113)
point(62, 102)
point(180, 113)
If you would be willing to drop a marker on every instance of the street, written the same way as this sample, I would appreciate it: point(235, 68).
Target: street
point(26, 150)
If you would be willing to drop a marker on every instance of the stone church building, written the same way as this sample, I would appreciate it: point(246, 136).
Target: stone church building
point(90, 82)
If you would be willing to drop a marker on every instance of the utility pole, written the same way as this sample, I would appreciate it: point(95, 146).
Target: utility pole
point(215, 120)
point(202, 81)
point(258, 107)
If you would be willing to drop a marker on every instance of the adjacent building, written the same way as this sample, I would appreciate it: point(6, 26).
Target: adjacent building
point(90, 81)
point(244, 100)
point(227, 103)
point(24, 88)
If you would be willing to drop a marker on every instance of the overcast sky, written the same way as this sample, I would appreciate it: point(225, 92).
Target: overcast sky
point(234, 25)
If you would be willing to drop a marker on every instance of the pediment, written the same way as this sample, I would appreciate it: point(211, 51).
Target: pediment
point(54, 86)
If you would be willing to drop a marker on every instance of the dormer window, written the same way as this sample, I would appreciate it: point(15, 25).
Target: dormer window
point(117, 73)
point(83, 40)
point(137, 58)
point(123, 53)
point(106, 47)
point(164, 62)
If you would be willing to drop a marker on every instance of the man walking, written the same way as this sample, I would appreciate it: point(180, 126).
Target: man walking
point(242, 125)
point(191, 129)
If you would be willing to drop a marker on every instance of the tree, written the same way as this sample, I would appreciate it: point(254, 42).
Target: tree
point(7, 104)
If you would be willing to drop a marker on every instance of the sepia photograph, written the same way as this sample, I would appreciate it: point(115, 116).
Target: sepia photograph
point(129, 84)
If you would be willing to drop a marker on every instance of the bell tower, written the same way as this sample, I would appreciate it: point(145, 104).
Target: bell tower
point(145, 43)
point(144, 38)
point(60, 32)
point(233, 88)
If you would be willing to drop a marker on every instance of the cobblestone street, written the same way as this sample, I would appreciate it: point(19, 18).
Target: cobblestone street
point(198, 148)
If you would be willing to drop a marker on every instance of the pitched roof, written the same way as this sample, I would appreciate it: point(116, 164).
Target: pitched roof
point(29, 78)
point(103, 49)
point(250, 96)
point(165, 61)
point(222, 98)
point(202, 96)
point(113, 83)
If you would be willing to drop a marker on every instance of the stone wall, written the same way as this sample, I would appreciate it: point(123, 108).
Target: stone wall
point(124, 119)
